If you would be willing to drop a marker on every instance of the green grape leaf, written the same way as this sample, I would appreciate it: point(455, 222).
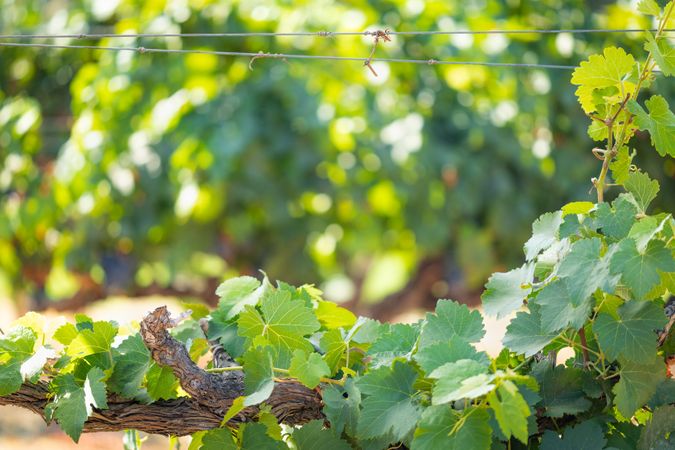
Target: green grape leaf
point(511, 410)
point(161, 383)
point(637, 383)
point(631, 336)
point(436, 429)
point(465, 378)
point(218, 439)
point(560, 389)
point(284, 323)
point(602, 71)
point(660, 122)
point(544, 233)
point(435, 355)
point(525, 333)
point(254, 437)
point(92, 341)
point(557, 312)
point(646, 229)
point(641, 271)
point(334, 348)
point(584, 436)
point(505, 292)
point(577, 208)
point(663, 53)
point(649, 7)
point(587, 270)
point(132, 361)
point(15, 348)
point(309, 369)
point(398, 342)
point(341, 406)
point(313, 436)
point(95, 390)
point(616, 221)
point(258, 375)
point(388, 405)
point(620, 165)
point(659, 433)
point(332, 316)
point(66, 333)
point(237, 293)
point(643, 188)
point(452, 319)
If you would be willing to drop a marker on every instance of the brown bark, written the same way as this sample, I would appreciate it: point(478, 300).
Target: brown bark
point(210, 394)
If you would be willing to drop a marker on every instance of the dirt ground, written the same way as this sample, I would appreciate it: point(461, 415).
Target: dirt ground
point(23, 430)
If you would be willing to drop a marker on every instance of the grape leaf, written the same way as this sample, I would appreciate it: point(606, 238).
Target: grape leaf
point(658, 433)
point(587, 270)
point(92, 341)
point(663, 53)
point(334, 348)
point(332, 316)
point(66, 333)
point(505, 292)
point(258, 375)
point(132, 361)
point(15, 348)
point(660, 122)
point(544, 233)
point(312, 436)
point(616, 221)
point(621, 163)
point(511, 410)
point(341, 406)
point(161, 383)
point(396, 343)
point(649, 7)
point(465, 378)
point(525, 333)
point(452, 319)
point(436, 429)
point(254, 437)
point(284, 323)
point(309, 369)
point(388, 405)
point(557, 312)
point(602, 71)
point(434, 356)
point(641, 271)
point(584, 436)
point(218, 439)
point(637, 383)
point(642, 188)
point(632, 336)
point(236, 293)
point(560, 389)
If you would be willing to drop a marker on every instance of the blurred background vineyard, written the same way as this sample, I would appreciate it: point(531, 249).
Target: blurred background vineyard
point(161, 174)
point(127, 174)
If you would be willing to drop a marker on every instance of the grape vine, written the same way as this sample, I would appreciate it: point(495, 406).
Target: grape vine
point(289, 369)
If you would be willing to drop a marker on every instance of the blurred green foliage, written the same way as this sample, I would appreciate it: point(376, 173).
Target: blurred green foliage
point(157, 169)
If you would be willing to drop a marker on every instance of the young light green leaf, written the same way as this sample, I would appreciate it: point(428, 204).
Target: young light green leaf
point(258, 375)
point(632, 336)
point(525, 333)
point(465, 378)
point(334, 347)
point(505, 292)
point(236, 293)
point(637, 383)
point(161, 383)
point(309, 369)
point(436, 429)
point(388, 405)
point(511, 410)
point(577, 208)
point(313, 436)
point(332, 316)
point(587, 270)
point(660, 122)
point(641, 271)
point(556, 310)
point(663, 53)
point(585, 436)
point(544, 233)
point(93, 341)
point(433, 356)
point(449, 320)
point(620, 165)
point(15, 348)
point(649, 7)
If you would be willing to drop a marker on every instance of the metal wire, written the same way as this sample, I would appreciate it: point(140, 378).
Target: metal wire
point(319, 33)
point(261, 55)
